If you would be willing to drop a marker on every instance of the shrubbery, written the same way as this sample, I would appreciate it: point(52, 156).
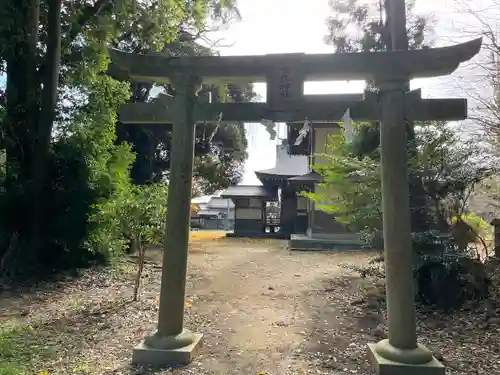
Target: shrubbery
point(443, 172)
point(89, 203)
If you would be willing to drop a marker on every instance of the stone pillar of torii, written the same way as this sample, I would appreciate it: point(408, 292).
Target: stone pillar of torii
point(399, 354)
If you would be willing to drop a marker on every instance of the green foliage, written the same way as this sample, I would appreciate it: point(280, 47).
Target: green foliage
point(9, 369)
point(447, 168)
point(135, 216)
point(144, 213)
point(88, 173)
point(351, 188)
point(86, 168)
point(359, 26)
point(137, 213)
point(477, 223)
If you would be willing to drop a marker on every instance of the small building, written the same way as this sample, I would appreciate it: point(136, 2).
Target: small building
point(249, 208)
point(214, 212)
point(299, 220)
point(273, 209)
point(287, 196)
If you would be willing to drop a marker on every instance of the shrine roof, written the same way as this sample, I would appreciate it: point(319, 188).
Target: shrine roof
point(209, 212)
point(286, 165)
point(430, 62)
point(308, 177)
point(271, 179)
point(246, 191)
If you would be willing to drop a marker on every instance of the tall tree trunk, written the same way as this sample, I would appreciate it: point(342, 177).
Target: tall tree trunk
point(47, 117)
point(22, 106)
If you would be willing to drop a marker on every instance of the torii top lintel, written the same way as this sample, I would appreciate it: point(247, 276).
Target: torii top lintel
point(430, 62)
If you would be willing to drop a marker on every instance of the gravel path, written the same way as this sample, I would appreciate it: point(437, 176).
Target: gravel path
point(257, 304)
point(262, 305)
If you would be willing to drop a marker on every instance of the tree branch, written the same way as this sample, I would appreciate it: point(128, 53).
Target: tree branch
point(87, 14)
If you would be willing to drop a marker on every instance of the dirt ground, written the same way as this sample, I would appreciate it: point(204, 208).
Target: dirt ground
point(261, 308)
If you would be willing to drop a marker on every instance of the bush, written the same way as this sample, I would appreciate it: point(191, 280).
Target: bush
point(134, 216)
point(442, 172)
point(372, 238)
point(477, 223)
point(448, 285)
point(139, 211)
point(85, 169)
point(81, 186)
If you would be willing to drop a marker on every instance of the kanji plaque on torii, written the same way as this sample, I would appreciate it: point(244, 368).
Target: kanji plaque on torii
point(285, 75)
point(285, 85)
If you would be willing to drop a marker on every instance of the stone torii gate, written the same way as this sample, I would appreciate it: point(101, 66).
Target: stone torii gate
point(285, 75)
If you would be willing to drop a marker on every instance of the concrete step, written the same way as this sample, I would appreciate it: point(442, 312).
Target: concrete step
point(278, 236)
point(330, 243)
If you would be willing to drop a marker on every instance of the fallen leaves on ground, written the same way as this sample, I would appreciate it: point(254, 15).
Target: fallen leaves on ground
point(465, 341)
point(89, 323)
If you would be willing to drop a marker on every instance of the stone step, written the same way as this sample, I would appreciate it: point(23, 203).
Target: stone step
point(278, 236)
point(328, 243)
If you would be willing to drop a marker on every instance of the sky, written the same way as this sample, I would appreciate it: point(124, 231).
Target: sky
point(284, 26)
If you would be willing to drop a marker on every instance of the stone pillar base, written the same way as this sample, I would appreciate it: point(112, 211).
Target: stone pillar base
point(385, 366)
point(157, 357)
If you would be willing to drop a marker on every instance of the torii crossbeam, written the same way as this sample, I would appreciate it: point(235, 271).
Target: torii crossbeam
point(327, 108)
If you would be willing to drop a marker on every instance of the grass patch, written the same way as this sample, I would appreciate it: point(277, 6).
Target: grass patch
point(22, 347)
point(9, 369)
point(122, 267)
point(15, 360)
